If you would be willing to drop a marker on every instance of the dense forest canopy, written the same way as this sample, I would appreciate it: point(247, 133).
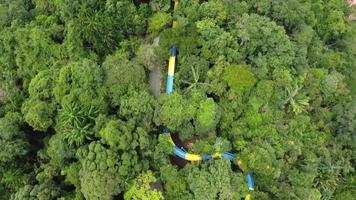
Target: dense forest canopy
point(272, 81)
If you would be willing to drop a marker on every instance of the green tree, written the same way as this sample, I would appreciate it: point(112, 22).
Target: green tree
point(174, 184)
point(137, 105)
point(39, 108)
point(207, 116)
point(158, 22)
point(212, 181)
point(47, 190)
point(79, 91)
point(239, 78)
point(14, 145)
point(142, 188)
point(120, 74)
point(263, 43)
point(192, 72)
point(102, 25)
point(175, 111)
point(217, 42)
point(98, 175)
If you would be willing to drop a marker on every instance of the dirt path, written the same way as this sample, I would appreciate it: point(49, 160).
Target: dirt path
point(156, 76)
point(155, 81)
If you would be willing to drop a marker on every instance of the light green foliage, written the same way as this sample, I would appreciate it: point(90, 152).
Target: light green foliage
point(71, 174)
point(10, 125)
point(282, 77)
point(333, 86)
point(206, 116)
point(239, 78)
point(124, 136)
point(35, 51)
point(118, 134)
point(38, 114)
point(106, 172)
point(75, 122)
point(213, 10)
point(298, 104)
point(77, 90)
point(175, 111)
point(41, 85)
point(211, 145)
point(216, 85)
point(333, 25)
point(264, 90)
point(162, 149)
point(290, 13)
point(142, 188)
point(99, 185)
point(158, 22)
point(262, 160)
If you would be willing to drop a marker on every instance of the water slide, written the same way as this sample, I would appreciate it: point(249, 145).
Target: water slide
point(180, 152)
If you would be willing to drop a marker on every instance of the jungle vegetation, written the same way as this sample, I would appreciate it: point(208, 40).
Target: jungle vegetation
point(273, 81)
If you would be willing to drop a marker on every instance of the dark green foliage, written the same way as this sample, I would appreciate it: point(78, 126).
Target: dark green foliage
point(104, 172)
point(217, 42)
point(75, 122)
point(192, 72)
point(271, 81)
point(18, 11)
point(12, 138)
point(101, 26)
point(263, 43)
point(120, 74)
